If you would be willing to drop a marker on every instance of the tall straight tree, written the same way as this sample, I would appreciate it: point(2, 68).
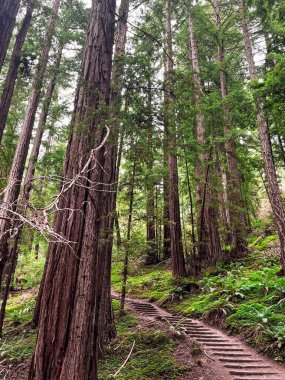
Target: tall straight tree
point(16, 174)
point(73, 289)
point(28, 185)
point(15, 61)
point(152, 254)
point(274, 192)
point(111, 175)
point(209, 248)
point(8, 13)
point(232, 176)
point(177, 255)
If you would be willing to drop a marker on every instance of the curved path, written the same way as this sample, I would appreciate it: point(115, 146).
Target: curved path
point(240, 361)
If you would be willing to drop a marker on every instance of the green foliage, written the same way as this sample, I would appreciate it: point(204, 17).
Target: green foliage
point(151, 357)
point(247, 296)
point(18, 339)
point(126, 321)
point(29, 271)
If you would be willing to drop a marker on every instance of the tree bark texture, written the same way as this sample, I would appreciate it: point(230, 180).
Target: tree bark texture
point(106, 318)
point(8, 13)
point(15, 61)
point(69, 332)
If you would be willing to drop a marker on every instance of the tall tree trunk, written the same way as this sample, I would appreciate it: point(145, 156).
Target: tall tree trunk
point(264, 134)
point(11, 76)
point(69, 327)
point(16, 174)
point(166, 223)
point(233, 183)
point(41, 125)
point(176, 244)
point(152, 254)
point(28, 184)
point(192, 218)
point(127, 248)
point(8, 13)
point(209, 248)
point(106, 318)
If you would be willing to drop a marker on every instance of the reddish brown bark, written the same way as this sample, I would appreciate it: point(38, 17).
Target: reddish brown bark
point(274, 192)
point(112, 167)
point(176, 244)
point(15, 61)
point(16, 174)
point(8, 13)
point(69, 327)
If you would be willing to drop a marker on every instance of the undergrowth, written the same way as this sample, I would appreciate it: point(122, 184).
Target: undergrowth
point(18, 339)
point(246, 297)
point(152, 357)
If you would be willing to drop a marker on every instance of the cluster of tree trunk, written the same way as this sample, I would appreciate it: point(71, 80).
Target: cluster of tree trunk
point(74, 308)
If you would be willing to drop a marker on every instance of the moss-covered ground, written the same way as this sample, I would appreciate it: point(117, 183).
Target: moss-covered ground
point(151, 358)
point(246, 297)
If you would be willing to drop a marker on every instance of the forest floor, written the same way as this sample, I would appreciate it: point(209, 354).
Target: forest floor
point(244, 299)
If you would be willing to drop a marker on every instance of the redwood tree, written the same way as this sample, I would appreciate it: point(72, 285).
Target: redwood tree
point(15, 61)
point(73, 289)
point(177, 255)
point(16, 174)
point(274, 191)
point(209, 247)
point(8, 13)
point(232, 176)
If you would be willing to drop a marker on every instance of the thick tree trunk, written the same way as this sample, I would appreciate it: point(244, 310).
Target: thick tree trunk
point(106, 317)
point(75, 283)
point(11, 76)
point(16, 174)
point(232, 178)
point(209, 248)
point(8, 13)
point(176, 245)
point(264, 134)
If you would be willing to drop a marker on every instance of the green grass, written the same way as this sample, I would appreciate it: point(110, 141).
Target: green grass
point(18, 338)
point(151, 358)
point(247, 297)
point(145, 282)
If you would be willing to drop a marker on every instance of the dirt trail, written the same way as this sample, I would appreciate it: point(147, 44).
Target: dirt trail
point(230, 358)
